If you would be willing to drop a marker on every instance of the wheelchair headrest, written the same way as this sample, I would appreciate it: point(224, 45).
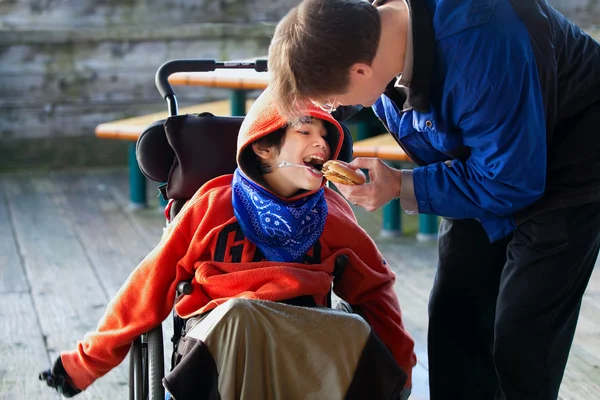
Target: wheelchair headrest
point(186, 151)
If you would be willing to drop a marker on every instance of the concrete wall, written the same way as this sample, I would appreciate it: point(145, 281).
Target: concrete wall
point(68, 65)
point(583, 12)
point(63, 82)
point(103, 13)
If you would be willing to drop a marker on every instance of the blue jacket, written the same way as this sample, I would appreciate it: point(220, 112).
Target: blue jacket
point(486, 97)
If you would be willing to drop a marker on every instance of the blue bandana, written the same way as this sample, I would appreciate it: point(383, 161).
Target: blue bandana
point(283, 231)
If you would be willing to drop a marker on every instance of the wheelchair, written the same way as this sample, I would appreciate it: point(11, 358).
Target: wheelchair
point(181, 153)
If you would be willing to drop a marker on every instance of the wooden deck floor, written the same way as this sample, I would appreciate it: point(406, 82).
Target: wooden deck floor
point(68, 241)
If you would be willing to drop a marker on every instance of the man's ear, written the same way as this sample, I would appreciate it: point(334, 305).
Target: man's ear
point(360, 71)
point(263, 152)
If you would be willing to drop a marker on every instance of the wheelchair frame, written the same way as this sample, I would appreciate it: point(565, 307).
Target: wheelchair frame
point(146, 366)
point(146, 363)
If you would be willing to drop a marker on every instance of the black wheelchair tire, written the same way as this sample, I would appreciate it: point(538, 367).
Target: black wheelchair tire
point(156, 364)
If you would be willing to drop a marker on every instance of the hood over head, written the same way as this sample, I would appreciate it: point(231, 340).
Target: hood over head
point(263, 118)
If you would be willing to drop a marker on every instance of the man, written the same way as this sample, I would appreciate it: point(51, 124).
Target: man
point(497, 102)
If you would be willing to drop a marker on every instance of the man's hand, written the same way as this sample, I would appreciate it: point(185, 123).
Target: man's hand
point(384, 184)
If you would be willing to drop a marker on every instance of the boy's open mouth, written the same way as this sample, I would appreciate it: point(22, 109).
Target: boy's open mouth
point(314, 161)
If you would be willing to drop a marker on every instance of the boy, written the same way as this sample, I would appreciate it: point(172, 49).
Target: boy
point(252, 244)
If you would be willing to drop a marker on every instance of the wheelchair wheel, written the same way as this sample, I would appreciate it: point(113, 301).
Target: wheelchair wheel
point(156, 364)
point(146, 366)
point(136, 371)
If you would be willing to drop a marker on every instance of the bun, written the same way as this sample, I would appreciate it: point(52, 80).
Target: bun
point(339, 172)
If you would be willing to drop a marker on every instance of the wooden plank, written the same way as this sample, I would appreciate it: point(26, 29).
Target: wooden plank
point(582, 374)
point(131, 128)
point(60, 254)
point(22, 348)
point(414, 264)
point(62, 120)
point(95, 213)
point(12, 274)
point(148, 222)
point(112, 245)
point(67, 295)
point(246, 79)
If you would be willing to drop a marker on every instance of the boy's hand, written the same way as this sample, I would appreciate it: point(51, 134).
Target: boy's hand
point(384, 184)
point(58, 379)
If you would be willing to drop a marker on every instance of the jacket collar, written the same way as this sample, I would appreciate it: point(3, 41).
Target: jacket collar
point(416, 96)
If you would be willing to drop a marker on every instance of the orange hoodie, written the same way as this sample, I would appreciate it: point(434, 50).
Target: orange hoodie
point(205, 244)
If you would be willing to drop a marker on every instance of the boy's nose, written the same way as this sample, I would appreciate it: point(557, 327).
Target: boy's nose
point(321, 142)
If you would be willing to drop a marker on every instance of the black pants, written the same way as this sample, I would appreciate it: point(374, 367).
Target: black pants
point(502, 315)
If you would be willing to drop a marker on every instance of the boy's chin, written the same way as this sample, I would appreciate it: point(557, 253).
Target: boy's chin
point(308, 185)
point(313, 186)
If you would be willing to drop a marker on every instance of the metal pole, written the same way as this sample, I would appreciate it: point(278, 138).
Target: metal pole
point(137, 180)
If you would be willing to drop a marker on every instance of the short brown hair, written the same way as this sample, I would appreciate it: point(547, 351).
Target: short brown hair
point(315, 45)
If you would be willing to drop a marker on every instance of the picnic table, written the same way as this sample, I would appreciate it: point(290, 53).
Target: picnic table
point(239, 82)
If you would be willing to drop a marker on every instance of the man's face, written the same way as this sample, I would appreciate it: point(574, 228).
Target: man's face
point(364, 88)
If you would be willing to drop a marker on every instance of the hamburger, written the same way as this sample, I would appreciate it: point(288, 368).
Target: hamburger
point(340, 172)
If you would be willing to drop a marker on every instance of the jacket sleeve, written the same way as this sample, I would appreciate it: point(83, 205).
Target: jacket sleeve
point(368, 283)
point(503, 125)
point(143, 302)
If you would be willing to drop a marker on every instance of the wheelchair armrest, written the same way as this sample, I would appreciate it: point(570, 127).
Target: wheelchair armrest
point(184, 287)
point(341, 262)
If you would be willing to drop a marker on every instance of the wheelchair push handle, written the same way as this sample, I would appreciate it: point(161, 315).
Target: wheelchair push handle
point(170, 67)
point(165, 89)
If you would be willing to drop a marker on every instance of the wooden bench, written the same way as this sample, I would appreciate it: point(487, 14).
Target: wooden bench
point(384, 146)
point(381, 146)
point(130, 129)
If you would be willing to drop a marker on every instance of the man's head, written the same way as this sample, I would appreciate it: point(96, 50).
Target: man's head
point(323, 49)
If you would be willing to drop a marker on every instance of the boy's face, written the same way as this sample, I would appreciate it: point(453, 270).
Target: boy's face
point(305, 144)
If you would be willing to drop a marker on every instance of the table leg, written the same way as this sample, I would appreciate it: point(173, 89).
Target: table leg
point(392, 220)
point(363, 129)
point(428, 227)
point(238, 102)
point(137, 181)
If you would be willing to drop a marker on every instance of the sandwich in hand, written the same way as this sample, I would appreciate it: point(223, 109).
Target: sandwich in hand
point(340, 172)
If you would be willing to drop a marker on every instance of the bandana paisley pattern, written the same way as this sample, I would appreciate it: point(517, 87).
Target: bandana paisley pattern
point(283, 231)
